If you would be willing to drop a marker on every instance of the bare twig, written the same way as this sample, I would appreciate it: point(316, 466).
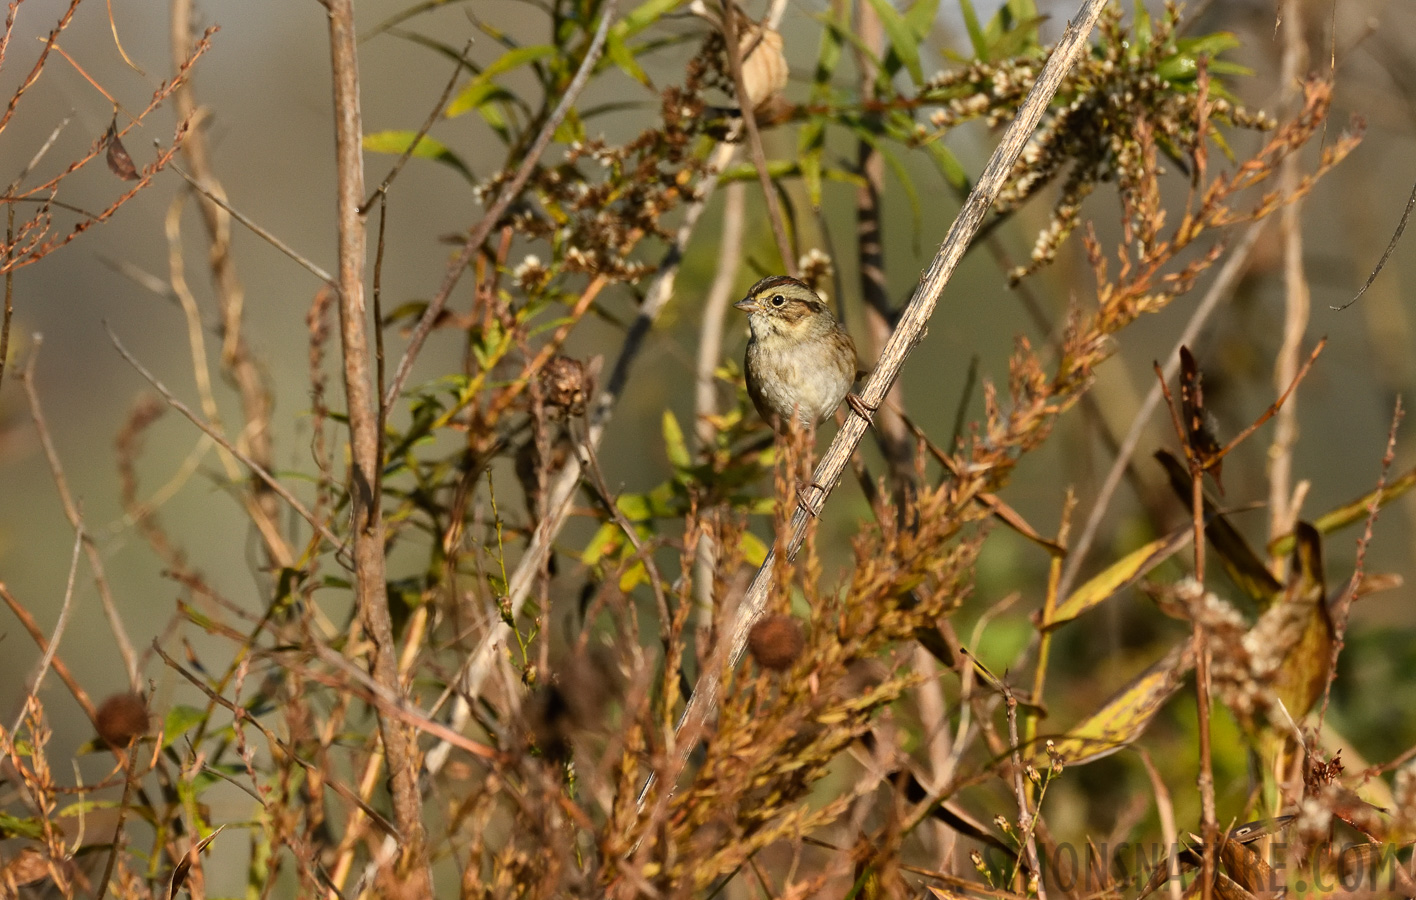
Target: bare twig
point(1026, 816)
point(60, 624)
point(237, 360)
point(1166, 810)
point(216, 435)
point(260, 232)
point(908, 332)
point(715, 307)
point(1386, 254)
point(508, 193)
point(362, 401)
point(76, 521)
point(428, 123)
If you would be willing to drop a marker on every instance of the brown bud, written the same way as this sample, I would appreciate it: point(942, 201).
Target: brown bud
point(776, 641)
point(122, 719)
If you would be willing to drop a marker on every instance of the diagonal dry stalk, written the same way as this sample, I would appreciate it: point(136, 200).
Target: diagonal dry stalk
point(908, 332)
point(366, 520)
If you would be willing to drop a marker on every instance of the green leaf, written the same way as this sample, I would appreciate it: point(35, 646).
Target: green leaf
point(606, 539)
point(1349, 513)
point(642, 16)
point(811, 142)
point(674, 444)
point(475, 94)
point(976, 38)
point(398, 142)
point(903, 41)
point(920, 17)
point(619, 53)
point(179, 720)
point(11, 827)
point(754, 552)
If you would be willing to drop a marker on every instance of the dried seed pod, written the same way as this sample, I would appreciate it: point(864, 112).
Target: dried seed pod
point(565, 388)
point(776, 641)
point(764, 66)
point(122, 719)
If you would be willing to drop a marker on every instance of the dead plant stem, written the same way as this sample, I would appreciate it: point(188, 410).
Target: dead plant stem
point(367, 521)
point(1282, 511)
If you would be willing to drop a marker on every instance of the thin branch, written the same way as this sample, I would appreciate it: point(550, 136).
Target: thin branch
point(1297, 296)
point(260, 232)
point(1386, 254)
point(432, 119)
point(908, 333)
point(76, 521)
point(211, 432)
point(715, 307)
point(59, 625)
point(509, 192)
point(733, 51)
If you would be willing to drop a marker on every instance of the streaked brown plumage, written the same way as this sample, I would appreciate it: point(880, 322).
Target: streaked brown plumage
point(800, 360)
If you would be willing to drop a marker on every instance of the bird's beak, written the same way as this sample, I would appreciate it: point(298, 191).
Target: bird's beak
point(746, 304)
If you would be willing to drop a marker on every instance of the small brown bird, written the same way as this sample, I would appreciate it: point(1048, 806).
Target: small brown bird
point(800, 361)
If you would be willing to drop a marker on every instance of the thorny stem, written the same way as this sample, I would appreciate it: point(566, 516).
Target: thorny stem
point(367, 514)
point(908, 332)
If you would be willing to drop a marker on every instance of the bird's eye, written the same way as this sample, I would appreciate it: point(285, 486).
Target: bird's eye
point(778, 299)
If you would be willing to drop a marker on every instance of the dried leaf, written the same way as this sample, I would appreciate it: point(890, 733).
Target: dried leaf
point(1301, 628)
point(1118, 576)
point(1246, 867)
point(1199, 431)
point(119, 162)
point(179, 874)
point(1127, 714)
point(28, 866)
point(1348, 513)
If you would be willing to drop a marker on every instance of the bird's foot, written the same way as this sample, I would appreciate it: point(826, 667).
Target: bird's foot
point(863, 410)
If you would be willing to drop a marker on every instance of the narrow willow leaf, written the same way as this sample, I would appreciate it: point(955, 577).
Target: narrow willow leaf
point(1119, 575)
point(397, 142)
point(975, 31)
point(903, 41)
point(674, 443)
point(1127, 714)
